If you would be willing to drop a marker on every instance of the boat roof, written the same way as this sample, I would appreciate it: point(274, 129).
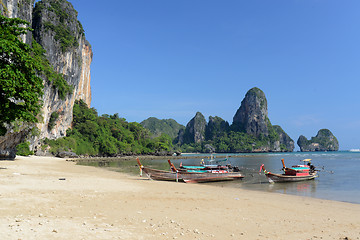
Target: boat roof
point(200, 167)
point(300, 168)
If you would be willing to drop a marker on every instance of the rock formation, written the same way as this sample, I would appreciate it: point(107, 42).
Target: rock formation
point(18, 9)
point(55, 24)
point(252, 116)
point(323, 141)
point(251, 130)
point(72, 61)
point(167, 126)
point(215, 127)
point(195, 130)
point(286, 143)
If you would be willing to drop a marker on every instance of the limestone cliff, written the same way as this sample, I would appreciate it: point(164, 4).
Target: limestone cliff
point(215, 127)
point(195, 130)
point(323, 141)
point(19, 131)
point(72, 60)
point(251, 130)
point(18, 9)
point(252, 116)
point(58, 31)
point(286, 143)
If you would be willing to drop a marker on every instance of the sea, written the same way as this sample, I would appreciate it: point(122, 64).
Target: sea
point(339, 172)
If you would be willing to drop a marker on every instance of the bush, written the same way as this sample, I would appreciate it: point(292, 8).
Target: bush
point(23, 149)
point(106, 135)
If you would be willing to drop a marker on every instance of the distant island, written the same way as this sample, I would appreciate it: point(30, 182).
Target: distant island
point(323, 141)
point(251, 130)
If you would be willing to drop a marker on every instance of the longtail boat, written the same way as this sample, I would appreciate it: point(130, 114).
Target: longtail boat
point(156, 174)
point(207, 176)
point(212, 165)
point(293, 174)
point(188, 177)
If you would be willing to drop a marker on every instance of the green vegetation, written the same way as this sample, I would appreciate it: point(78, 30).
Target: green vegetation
point(23, 149)
point(53, 117)
point(157, 127)
point(20, 86)
point(5, 10)
point(63, 35)
point(325, 138)
point(229, 142)
point(107, 135)
point(64, 16)
point(57, 79)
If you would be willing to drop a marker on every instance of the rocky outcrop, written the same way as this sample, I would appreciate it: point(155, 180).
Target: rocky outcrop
point(252, 116)
point(58, 31)
point(251, 130)
point(323, 141)
point(215, 127)
point(18, 9)
point(12, 138)
point(72, 61)
point(18, 131)
point(195, 130)
point(160, 126)
point(286, 144)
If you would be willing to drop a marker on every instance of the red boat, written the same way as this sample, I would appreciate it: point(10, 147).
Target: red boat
point(293, 174)
point(212, 175)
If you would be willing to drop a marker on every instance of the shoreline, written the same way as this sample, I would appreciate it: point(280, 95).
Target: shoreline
point(51, 198)
point(143, 157)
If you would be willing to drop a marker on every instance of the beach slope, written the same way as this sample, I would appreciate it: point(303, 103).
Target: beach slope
point(50, 198)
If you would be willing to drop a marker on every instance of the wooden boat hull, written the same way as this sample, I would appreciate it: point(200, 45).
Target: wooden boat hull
point(210, 177)
point(161, 175)
point(188, 177)
point(273, 177)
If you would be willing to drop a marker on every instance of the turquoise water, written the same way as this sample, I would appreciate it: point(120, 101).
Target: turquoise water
point(339, 175)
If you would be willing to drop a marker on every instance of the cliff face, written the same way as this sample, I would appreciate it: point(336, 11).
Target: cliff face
point(53, 18)
point(58, 31)
point(215, 127)
point(18, 9)
point(251, 117)
point(251, 130)
point(286, 144)
point(323, 141)
point(15, 9)
point(195, 130)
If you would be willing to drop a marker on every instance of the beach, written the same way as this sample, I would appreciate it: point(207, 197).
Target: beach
point(51, 198)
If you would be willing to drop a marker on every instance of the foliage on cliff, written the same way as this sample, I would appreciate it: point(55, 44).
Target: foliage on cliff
point(158, 127)
point(59, 84)
point(323, 141)
point(59, 24)
point(107, 135)
point(20, 86)
point(195, 130)
point(251, 130)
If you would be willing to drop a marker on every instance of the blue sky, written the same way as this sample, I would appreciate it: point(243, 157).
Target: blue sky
point(170, 59)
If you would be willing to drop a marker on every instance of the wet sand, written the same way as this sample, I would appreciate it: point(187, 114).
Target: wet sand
point(51, 198)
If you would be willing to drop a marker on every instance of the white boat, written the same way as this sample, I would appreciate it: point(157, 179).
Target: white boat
point(354, 150)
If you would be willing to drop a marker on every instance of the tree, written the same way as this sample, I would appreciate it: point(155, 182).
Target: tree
point(20, 86)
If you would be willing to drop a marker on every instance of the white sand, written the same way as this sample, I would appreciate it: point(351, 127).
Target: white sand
point(93, 203)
